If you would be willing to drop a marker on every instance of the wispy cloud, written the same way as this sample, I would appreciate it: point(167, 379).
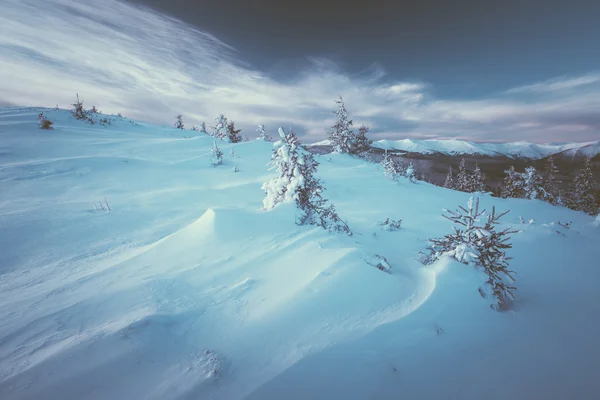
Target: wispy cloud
point(148, 66)
point(557, 84)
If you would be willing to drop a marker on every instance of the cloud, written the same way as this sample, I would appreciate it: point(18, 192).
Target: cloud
point(557, 84)
point(148, 66)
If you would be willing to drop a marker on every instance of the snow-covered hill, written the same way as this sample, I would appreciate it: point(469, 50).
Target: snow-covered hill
point(461, 147)
point(131, 268)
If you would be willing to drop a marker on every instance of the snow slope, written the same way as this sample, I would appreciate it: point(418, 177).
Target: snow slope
point(186, 288)
point(461, 147)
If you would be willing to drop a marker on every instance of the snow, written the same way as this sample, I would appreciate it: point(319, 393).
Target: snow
point(460, 147)
point(187, 288)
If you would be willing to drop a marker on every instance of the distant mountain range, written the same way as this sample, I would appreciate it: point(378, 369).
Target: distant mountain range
point(454, 147)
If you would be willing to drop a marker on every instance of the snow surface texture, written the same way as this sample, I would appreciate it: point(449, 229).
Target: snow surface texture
point(461, 147)
point(182, 287)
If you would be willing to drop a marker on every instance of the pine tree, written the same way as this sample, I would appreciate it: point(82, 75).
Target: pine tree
point(533, 184)
point(477, 180)
point(582, 196)
point(410, 172)
point(341, 135)
point(43, 122)
point(449, 183)
point(478, 244)
point(220, 129)
point(550, 183)
point(362, 144)
point(512, 185)
point(233, 135)
point(203, 127)
point(217, 154)
point(391, 168)
point(78, 111)
point(314, 209)
point(179, 121)
point(295, 180)
point(285, 161)
point(262, 134)
point(463, 179)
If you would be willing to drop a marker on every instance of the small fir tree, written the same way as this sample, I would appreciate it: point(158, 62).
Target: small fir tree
point(449, 182)
point(362, 144)
point(179, 122)
point(463, 179)
point(262, 133)
point(78, 111)
point(512, 185)
point(341, 135)
point(533, 184)
point(550, 182)
point(43, 122)
point(582, 197)
point(233, 135)
point(391, 168)
point(220, 129)
point(475, 241)
point(477, 180)
point(217, 155)
point(410, 172)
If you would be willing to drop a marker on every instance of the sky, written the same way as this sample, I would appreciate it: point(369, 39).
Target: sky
point(474, 70)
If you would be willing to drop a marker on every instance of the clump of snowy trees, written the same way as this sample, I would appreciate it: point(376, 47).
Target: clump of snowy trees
point(296, 181)
point(90, 116)
point(466, 181)
point(393, 169)
point(581, 194)
point(477, 241)
point(223, 130)
point(532, 184)
point(343, 138)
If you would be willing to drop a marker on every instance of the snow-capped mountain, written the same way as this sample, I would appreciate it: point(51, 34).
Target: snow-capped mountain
point(461, 147)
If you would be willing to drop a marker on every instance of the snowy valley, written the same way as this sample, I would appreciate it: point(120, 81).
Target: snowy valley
point(133, 265)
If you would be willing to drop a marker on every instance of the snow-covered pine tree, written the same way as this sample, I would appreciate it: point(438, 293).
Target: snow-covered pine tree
point(550, 182)
point(203, 127)
point(478, 244)
point(512, 185)
point(410, 172)
point(262, 134)
point(295, 180)
point(533, 184)
point(284, 160)
point(449, 182)
point(477, 180)
point(220, 129)
point(217, 154)
point(463, 179)
point(362, 144)
point(314, 209)
point(341, 135)
point(391, 168)
point(582, 196)
point(179, 121)
point(233, 135)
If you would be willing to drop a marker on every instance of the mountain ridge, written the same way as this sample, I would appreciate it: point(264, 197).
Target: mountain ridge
point(454, 147)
